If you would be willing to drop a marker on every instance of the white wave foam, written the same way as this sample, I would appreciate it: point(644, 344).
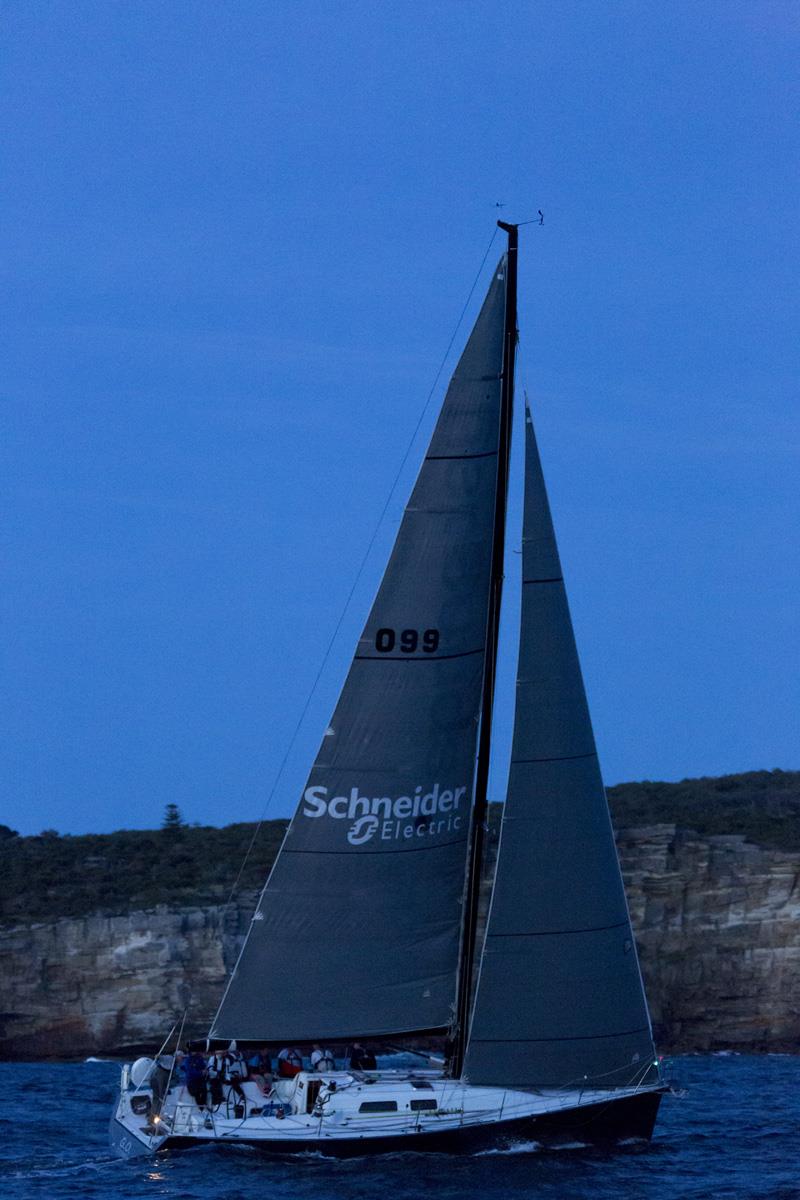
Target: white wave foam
point(517, 1148)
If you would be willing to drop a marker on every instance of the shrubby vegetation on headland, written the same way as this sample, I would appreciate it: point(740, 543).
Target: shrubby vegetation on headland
point(50, 876)
point(762, 805)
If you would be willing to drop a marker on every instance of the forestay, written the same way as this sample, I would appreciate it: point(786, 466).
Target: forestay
point(560, 999)
point(357, 930)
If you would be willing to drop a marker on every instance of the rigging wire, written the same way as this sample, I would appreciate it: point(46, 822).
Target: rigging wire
point(359, 572)
point(175, 1055)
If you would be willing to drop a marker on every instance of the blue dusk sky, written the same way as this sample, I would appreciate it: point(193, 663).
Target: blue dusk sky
point(236, 241)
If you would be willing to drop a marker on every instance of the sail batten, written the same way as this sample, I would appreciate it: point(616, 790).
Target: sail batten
point(403, 850)
point(586, 1037)
point(532, 933)
point(438, 658)
point(450, 457)
point(357, 930)
point(557, 758)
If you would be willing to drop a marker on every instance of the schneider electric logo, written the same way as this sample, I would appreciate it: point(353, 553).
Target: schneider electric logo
point(421, 815)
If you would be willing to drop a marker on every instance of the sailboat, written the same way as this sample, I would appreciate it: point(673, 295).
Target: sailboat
point(367, 927)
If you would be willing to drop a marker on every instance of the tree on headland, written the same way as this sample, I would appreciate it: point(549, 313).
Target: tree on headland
point(173, 820)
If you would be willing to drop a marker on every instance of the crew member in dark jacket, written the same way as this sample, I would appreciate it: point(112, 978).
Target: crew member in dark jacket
point(361, 1059)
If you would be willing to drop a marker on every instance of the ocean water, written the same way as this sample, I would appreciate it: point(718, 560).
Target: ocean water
point(734, 1133)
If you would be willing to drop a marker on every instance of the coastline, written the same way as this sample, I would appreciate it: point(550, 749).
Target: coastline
point(717, 923)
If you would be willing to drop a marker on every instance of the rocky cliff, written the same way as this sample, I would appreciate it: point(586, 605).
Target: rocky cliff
point(716, 919)
point(110, 984)
point(717, 922)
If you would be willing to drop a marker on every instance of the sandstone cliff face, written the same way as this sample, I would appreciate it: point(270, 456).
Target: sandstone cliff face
point(100, 985)
point(717, 921)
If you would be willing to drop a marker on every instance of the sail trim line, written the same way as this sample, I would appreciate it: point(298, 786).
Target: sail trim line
point(416, 657)
point(576, 1037)
point(563, 758)
point(558, 932)
point(405, 850)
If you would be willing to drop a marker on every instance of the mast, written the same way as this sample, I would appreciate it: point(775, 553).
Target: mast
point(480, 807)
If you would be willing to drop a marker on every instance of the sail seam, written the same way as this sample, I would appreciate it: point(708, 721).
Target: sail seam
point(551, 579)
point(563, 758)
point(447, 457)
point(406, 850)
point(559, 932)
point(575, 1037)
point(418, 657)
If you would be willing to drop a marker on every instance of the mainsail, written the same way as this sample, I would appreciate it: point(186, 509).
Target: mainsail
point(357, 930)
point(559, 998)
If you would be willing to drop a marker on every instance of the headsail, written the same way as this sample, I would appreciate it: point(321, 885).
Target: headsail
point(559, 997)
point(357, 930)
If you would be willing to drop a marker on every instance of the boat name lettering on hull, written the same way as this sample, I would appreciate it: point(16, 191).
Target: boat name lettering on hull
point(423, 814)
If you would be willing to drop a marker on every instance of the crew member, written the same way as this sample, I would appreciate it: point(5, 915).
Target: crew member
point(215, 1074)
point(290, 1062)
point(260, 1067)
point(194, 1072)
point(322, 1059)
point(360, 1059)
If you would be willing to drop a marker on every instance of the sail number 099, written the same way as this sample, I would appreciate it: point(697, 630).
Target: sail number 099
point(408, 640)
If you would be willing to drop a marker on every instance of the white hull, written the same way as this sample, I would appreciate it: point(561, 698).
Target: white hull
point(346, 1120)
